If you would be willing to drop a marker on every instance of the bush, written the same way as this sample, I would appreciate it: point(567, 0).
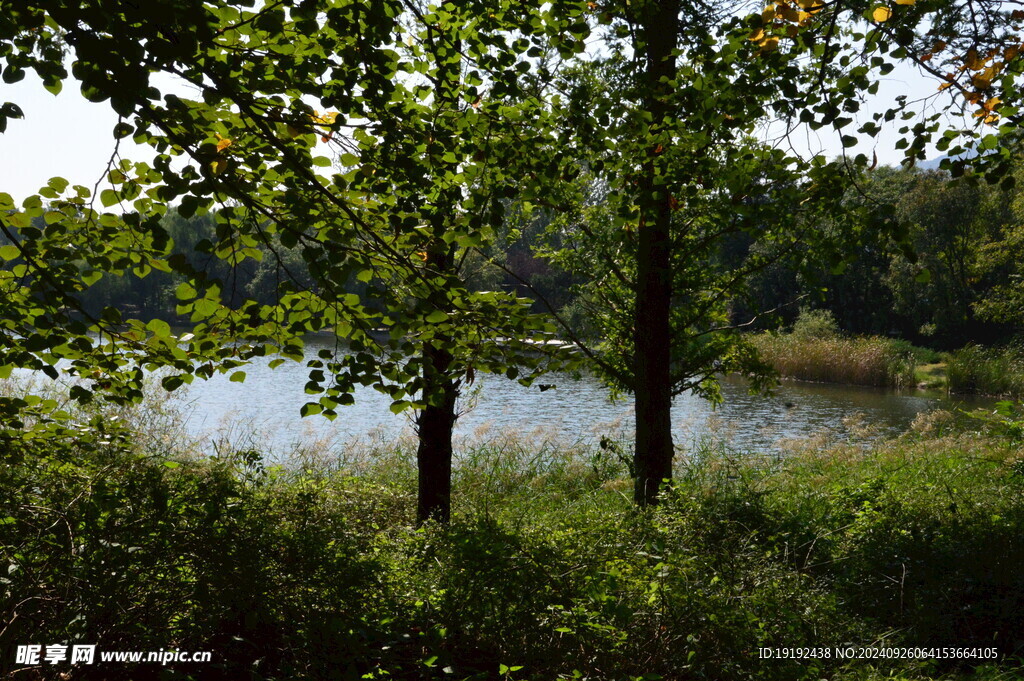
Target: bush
point(815, 325)
point(547, 572)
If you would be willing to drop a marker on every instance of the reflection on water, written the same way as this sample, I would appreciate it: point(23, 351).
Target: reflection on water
point(270, 400)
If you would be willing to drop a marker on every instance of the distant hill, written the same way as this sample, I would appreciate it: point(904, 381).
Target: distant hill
point(933, 164)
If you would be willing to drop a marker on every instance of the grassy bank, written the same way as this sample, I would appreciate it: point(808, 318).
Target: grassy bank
point(987, 371)
point(546, 573)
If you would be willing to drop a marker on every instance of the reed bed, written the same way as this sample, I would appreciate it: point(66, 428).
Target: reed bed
point(866, 360)
point(987, 371)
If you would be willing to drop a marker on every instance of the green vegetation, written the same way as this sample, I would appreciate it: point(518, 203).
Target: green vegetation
point(987, 371)
point(931, 376)
point(316, 571)
point(868, 360)
point(388, 145)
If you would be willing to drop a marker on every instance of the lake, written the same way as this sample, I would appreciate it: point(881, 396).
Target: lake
point(269, 400)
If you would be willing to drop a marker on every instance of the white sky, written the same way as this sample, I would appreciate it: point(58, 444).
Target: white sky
point(70, 137)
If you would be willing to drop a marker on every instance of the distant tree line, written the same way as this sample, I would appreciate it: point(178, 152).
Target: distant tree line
point(961, 282)
point(956, 279)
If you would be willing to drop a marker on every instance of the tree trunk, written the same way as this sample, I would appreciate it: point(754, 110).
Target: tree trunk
point(652, 339)
point(435, 424)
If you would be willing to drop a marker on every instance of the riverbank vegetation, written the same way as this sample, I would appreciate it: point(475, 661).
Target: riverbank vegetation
point(316, 570)
point(816, 350)
point(987, 371)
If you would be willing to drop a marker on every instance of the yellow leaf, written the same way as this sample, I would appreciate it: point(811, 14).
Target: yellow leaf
point(991, 72)
point(789, 14)
point(981, 82)
point(991, 118)
point(219, 165)
point(905, 2)
point(881, 14)
point(973, 61)
point(944, 86)
point(222, 143)
point(757, 35)
point(991, 104)
point(325, 118)
point(1011, 53)
point(768, 14)
point(769, 45)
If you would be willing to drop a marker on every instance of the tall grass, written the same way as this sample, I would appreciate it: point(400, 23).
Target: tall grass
point(870, 360)
point(987, 371)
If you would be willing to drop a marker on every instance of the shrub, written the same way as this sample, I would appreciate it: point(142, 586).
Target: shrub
point(815, 324)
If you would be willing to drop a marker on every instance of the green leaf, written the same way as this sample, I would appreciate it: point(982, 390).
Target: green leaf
point(108, 197)
point(436, 317)
point(185, 291)
point(237, 377)
point(159, 327)
point(9, 252)
point(311, 408)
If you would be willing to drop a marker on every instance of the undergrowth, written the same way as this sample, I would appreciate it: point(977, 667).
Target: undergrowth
point(315, 570)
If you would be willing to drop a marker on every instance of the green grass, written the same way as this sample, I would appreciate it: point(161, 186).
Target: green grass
point(931, 376)
point(987, 371)
point(867, 360)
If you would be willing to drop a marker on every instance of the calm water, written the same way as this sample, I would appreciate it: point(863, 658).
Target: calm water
point(268, 403)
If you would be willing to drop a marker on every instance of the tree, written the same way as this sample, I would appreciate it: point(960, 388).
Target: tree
point(672, 178)
point(691, 83)
point(425, 135)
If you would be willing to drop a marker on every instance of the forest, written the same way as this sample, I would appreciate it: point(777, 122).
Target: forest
point(613, 188)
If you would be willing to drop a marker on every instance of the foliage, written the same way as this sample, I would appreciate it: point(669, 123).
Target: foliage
point(918, 533)
point(316, 572)
point(1006, 421)
point(814, 325)
point(383, 177)
point(986, 371)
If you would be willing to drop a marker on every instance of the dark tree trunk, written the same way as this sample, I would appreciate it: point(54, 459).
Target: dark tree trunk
point(654, 449)
point(436, 421)
point(435, 424)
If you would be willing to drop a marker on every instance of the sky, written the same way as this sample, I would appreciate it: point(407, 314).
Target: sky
point(69, 137)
